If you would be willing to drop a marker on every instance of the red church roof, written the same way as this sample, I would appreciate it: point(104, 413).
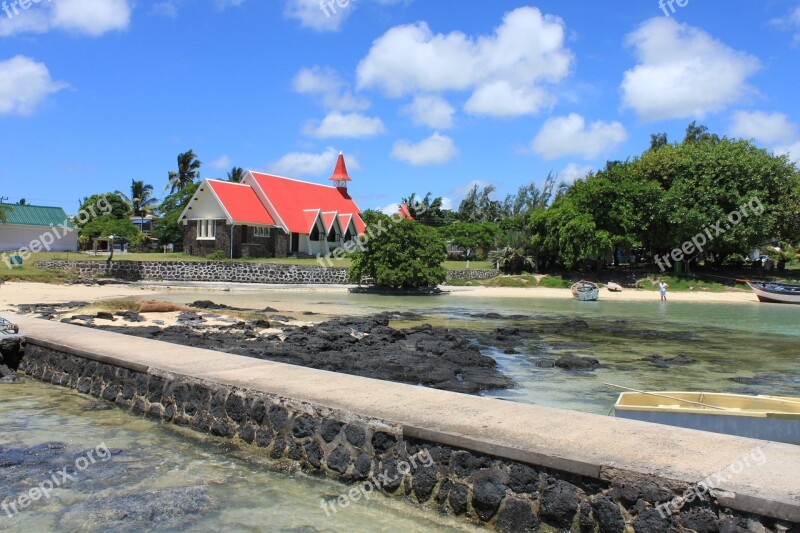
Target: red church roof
point(241, 203)
point(405, 212)
point(291, 198)
point(340, 172)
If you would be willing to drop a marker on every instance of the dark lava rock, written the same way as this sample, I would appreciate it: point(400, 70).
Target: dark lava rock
point(278, 417)
point(105, 315)
point(608, 515)
point(424, 480)
point(304, 426)
point(339, 459)
point(362, 466)
point(666, 362)
point(207, 304)
point(383, 442)
point(130, 316)
point(440, 358)
point(457, 498)
point(12, 350)
point(573, 362)
point(330, 430)
point(173, 508)
point(701, 520)
point(314, 453)
point(517, 517)
point(650, 521)
point(559, 503)
point(544, 363)
point(487, 496)
point(190, 317)
point(355, 436)
point(522, 479)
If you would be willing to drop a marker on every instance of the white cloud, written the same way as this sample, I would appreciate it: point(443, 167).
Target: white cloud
point(447, 203)
point(430, 110)
point(224, 4)
point(518, 62)
point(790, 22)
point(221, 163)
point(24, 85)
point(769, 128)
point(683, 72)
point(352, 125)
point(325, 83)
point(573, 172)
point(301, 164)
point(167, 8)
point(90, 17)
point(311, 15)
point(390, 209)
point(329, 15)
point(437, 149)
point(792, 150)
point(501, 99)
point(570, 135)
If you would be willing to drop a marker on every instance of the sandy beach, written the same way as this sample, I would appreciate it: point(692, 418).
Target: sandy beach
point(14, 293)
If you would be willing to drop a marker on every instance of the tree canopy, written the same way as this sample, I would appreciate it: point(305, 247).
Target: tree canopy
point(188, 172)
point(400, 254)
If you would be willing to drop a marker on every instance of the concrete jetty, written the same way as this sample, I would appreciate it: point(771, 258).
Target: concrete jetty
point(590, 446)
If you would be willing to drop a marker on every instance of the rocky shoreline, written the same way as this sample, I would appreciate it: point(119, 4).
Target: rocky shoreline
point(440, 358)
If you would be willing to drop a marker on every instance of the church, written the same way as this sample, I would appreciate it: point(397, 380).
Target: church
point(271, 216)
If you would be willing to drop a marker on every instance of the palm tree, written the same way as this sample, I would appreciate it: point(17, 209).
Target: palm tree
point(236, 175)
point(141, 200)
point(188, 171)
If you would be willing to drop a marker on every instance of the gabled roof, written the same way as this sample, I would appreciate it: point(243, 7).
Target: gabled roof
point(241, 203)
point(329, 219)
point(310, 216)
point(34, 215)
point(291, 198)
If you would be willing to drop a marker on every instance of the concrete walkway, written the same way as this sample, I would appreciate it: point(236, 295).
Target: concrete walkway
point(574, 442)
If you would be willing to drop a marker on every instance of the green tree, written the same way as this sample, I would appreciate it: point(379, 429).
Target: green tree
point(109, 203)
point(4, 211)
point(428, 210)
point(478, 206)
point(236, 175)
point(188, 172)
point(469, 236)
point(168, 228)
point(141, 200)
point(658, 140)
point(400, 255)
point(107, 225)
point(530, 197)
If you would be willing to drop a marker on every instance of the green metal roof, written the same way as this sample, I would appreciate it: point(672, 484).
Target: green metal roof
point(34, 215)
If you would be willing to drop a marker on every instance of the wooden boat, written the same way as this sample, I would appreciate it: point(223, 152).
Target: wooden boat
point(7, 327)
point(586, 291)
point(779, 293)
point(758, 417)
point(614, 287)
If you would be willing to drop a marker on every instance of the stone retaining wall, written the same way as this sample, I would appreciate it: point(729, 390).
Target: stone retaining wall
point(224, 271)
point(502, 494)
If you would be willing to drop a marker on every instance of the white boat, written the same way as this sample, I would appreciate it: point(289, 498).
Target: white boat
point(759, 417)
point(614, 287)
point(586, 291)
point(778, 293)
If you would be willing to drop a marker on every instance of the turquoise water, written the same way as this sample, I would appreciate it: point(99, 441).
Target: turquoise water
point(160, 478)
point(741, 348)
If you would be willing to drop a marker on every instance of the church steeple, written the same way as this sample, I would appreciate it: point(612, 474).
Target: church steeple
point(340, 176)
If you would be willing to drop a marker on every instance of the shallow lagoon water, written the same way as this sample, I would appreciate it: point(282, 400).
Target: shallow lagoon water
point(205, 484)
point(757, 344)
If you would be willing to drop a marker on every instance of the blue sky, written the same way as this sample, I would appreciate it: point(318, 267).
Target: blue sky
point(421, 95)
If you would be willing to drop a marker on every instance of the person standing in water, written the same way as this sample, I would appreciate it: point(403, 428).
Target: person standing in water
point(662, 288)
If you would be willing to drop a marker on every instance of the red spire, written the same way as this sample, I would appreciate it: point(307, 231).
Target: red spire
point(340, 173)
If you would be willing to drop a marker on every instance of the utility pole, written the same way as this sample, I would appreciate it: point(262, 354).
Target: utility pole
point(3, 199)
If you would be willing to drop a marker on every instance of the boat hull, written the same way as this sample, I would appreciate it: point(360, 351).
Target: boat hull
point(772, 429)
point(758, 417)
point(774, 296)
point(586, 291)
